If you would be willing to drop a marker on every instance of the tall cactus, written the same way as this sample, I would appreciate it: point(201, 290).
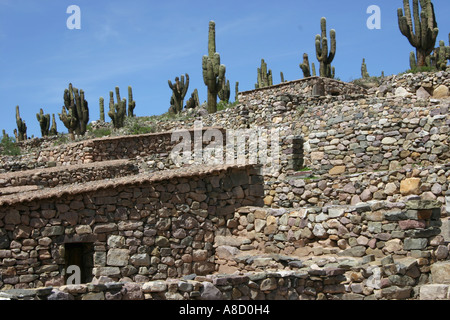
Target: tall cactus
point(364, 72)
point(117, 111)
point(322, 54)
point(102, 109)
point(236, 91)
point(75, 112)
point(423, 36)
point(265, 78)
point(131, 102)
point(21, 127)
point(44, 122)
point(213, 71)
point(179, 90)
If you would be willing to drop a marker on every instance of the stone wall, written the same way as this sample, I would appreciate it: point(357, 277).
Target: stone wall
point(391, 280)
point(377, 229)
point(304, 87)
point(139, 228)
point(311, 190)
point(368, 135)
point(52, 177)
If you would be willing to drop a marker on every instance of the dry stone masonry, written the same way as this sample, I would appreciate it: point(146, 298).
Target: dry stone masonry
point(357, 210)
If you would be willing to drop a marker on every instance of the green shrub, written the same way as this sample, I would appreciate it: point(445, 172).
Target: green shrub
point(136, 126)
point(223, 105)
point(8, 146)
point(421, 69)
point(101, 132)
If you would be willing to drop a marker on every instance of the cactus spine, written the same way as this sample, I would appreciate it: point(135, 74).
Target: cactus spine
point(322, 54)
point(179, 90)
point(425, 32)
point(44, 122)
point(131, 102)
point(213, 71)
point(265, 78)
point(21, 133)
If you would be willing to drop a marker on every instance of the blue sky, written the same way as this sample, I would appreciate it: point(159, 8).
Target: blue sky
point(145, 43)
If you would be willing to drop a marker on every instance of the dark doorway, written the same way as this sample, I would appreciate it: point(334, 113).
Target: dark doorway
point(81, 255)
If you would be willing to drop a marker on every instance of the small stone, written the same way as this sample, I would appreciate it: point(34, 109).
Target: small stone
point(390, 189)
point(268, 200)
point(337, 170)
point(434, 292)
point(410, 186)
point(319, 231)
point(421, 93)
point(441, 252)
point(268, 284)
point(436, 189)
point(393, 245)
point(440, 272)
point(117, 257)
point(415, 243)
point(402, 92)
point(154, 286)
point(210, 292)
point(142, 259)
point(441, 92)
point(366, 195)
point(389, 141)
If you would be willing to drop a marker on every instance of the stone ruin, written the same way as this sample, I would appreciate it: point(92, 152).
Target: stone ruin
point(357, 210)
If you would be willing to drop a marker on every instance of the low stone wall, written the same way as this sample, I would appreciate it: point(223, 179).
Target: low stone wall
point(105, 149)
point(139, 228)
point(297, 191)
point(412, 82)
point(376, 229)
point(390, 280)
point(52, 177)
point(304, 87)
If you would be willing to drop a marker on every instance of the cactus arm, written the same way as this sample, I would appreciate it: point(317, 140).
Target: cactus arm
point(44, 122)
point(425, 32)
point(305, 66)
point(53, 129)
